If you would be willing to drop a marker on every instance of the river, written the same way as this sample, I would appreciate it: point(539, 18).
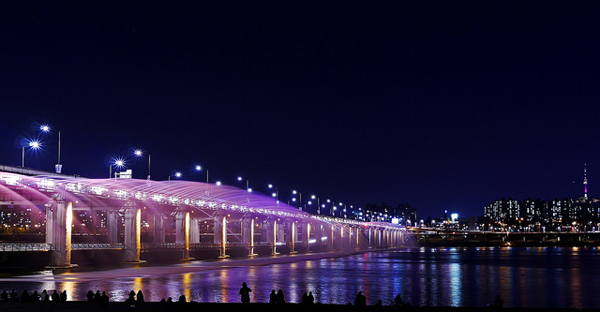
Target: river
point(523, 277)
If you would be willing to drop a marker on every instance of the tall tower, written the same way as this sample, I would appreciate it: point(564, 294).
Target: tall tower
point(585, 181)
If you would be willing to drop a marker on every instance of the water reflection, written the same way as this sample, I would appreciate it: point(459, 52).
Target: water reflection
point(532, 277)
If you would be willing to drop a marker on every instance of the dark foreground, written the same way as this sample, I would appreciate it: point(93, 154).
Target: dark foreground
point(239, 307)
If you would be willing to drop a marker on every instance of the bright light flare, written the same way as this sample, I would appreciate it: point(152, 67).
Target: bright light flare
point(138, 152)
point(198, 168)
point(119, 163)
point(178, 174)
point(35, 144)
point(45, 128)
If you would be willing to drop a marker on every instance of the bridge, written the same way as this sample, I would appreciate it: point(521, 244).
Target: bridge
point(198, 216)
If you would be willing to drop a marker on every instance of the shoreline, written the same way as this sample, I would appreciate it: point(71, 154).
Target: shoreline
point(250, 307)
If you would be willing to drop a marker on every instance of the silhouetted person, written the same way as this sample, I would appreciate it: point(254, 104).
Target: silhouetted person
point(13, 295)
point(163, 300)
point(272, 297)
point(63, 296)
point(131, 299)
point(182, 299)
point(45, 296)
point(398, 300)
point(360, 300)
point(4, 295)
point(103, 300)
point(280, 297)
point(140, 296)
point(169, 300)
point(90, 296)
point(378, 306)
point(35, 297)
point(245, 293)
point(55, 296)
point(98, 296)
point(304, 298)
point(25, 296)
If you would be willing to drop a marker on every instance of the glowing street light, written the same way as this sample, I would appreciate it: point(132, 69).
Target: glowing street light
point(33, 145)
point(139, 153)
point(313, 197)
point(177, 175)
point(118, 163)
point(300, 198)
point(47, 129)
point(276, 193)
point(199, 168)
point(247, 181)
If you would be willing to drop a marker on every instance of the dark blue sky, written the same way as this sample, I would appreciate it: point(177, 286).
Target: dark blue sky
point(443, 105)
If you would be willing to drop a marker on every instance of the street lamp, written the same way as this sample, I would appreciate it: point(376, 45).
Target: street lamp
point(118, 163)
point(199, 168)
point(33, 145)
point(139, 153)
point(318, 203)
point(46, 129)
point(247, 181)
point(276, 193)
point(300, 197)
point(177, 175)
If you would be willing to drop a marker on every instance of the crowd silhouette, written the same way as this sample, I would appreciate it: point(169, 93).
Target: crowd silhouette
point(276, 298)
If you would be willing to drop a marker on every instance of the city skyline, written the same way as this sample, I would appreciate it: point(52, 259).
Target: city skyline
point(442, 106)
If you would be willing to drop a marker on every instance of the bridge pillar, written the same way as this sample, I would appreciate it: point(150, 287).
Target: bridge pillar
point(220, 237)
point(370, 238)
point(270, 229)
point(306, 235)
point(318, 229)
point(132, 234)
point(290, 236)
point(182, 231)
point(194, 230)
point(248, 234)
point(159, 228)
point(60, 234)
point(113, 225)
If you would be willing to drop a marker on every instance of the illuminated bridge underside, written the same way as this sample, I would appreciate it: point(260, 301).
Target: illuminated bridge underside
point(187, 204)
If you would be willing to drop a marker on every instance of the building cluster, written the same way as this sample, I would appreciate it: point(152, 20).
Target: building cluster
point(567, 214)
point(403, 214)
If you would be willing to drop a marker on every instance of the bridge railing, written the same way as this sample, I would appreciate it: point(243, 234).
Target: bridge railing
point(95, 246)
point(24, 247)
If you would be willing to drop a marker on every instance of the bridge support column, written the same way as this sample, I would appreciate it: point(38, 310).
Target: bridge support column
point(113, 225)
point(306, 235)
point(182, 232)
point(318, 236)
point(270, 229)
point(132, 234)
point(159, 229)
point(220, 227)
point(290, 236)
point(60, 234)
point(248, 234)
point(194, 230)
point(370, 238)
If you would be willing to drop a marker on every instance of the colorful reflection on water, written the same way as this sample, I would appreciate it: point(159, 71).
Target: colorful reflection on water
point(523, 277)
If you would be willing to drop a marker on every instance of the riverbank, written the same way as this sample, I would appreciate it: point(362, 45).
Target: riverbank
point(78, 306)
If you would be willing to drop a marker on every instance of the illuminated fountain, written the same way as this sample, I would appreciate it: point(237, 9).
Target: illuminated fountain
point(144, 207)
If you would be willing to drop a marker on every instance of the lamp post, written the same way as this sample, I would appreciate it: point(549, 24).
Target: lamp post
point(140, 153)
point(177, 175)
point(118, 163)
point(46, 129)
point(276, 193)
point(32, 145)
point(247, 181)
point(199, 168)
point(294, 192)
point(313, 197)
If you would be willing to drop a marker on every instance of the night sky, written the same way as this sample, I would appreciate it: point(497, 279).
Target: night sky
point(439, 104)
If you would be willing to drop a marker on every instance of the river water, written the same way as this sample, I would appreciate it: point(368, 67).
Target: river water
point(523, 277)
